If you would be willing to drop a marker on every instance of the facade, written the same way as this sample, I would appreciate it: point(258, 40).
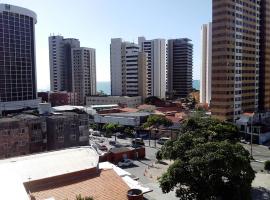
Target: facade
point(121, 100)
point(18, 87)
point(59, 98)
point(14, 138)
point(37, 130)
point(180, 63)
point(156, 66)
point(264, 83)
point(206, 65)
point(124, 119)
point(126, 60)
point(83, 73)
point(236, 58)
point(67, 129)
point(61, 62)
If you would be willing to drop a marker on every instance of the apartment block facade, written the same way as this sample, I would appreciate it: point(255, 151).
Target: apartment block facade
point(18, 88)
point(206, 64)
point(83, 73)
point(156, 65)
point(236, 53)
point(61, 62)
point(72, 68)
point(67, 130)
point(126, 62)
point(180, 63)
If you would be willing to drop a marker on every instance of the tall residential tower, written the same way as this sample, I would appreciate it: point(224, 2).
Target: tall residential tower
point(127, 66)
point(156, 65)
point(235, 57)
point(180, 62)
point(206, 65)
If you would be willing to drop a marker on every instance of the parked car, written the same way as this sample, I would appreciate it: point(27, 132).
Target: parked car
point(162, 140)
point(138, 141)
point(125, 163)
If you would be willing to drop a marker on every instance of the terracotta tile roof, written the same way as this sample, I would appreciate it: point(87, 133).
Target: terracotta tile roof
point(106, 185)
point(129, 109)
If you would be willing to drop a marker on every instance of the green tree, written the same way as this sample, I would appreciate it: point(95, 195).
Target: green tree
point(111, 129)
point(267, 165)
point(214, 170)
point(208, 162)
point(155, 122)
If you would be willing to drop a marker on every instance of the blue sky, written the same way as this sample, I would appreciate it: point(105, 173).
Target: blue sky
point(95, 22)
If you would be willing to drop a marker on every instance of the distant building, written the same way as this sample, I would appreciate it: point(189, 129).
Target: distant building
point(126, 62)
point(180, 63)
point(156, 65)
point(18, 88)
point(59, 98)
point(206, 65)
point(72, 68)
point(125, 119)
point(61, 62)
point(120, 100)
point(83, 73)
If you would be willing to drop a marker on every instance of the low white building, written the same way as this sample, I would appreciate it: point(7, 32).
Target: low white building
point(125, 119)
point(105, 100)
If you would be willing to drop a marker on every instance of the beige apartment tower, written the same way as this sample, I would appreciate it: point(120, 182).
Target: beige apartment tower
point(206, 64)
point(235, 58)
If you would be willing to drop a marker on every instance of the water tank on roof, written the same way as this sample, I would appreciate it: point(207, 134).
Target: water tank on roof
point(44, 108)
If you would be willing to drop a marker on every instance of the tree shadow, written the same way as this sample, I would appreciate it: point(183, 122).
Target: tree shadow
point(260, 193)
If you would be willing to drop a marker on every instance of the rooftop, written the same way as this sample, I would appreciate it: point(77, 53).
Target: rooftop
point(131, 114)
point(113, 187)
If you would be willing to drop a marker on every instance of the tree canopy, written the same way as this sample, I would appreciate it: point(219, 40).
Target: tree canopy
point(208, 162)
point(111, 128)
point(156, 121)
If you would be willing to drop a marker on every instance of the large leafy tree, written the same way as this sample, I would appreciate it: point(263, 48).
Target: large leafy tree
point(209, 163)
point(156, 121)
point(112, 128)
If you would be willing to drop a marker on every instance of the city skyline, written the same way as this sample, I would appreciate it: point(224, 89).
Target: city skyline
point(99, 21)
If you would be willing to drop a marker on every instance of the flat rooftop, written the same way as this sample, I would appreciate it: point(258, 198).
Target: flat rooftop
point(129, 114)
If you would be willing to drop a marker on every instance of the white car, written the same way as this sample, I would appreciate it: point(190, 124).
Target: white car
point(125, 163)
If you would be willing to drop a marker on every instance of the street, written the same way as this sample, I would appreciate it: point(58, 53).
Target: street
point(148, 171)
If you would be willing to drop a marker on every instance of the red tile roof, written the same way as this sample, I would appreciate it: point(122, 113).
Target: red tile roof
point(106, 185)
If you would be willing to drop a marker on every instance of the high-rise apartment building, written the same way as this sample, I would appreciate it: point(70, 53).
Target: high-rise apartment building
point(264, 78)
point(206, 65)
point(72, 68)
point(83, 72)
point(18, 88)
point(180, 62)
point(126, 64)
point(156, 65)
point(60, 62)
point(236, 57)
